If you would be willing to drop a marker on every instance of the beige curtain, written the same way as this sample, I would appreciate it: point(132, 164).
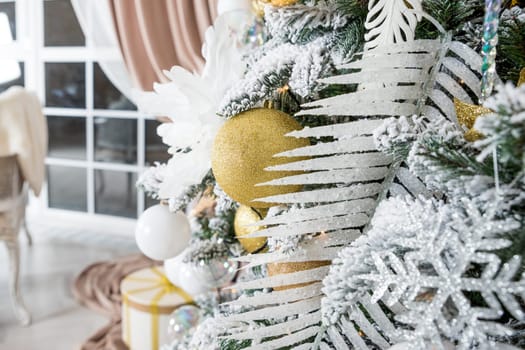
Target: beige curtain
point(155, 35)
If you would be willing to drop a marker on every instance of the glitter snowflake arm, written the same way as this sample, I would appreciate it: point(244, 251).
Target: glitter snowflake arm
point(428, 257)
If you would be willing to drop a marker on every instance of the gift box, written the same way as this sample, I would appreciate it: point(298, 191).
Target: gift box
point(148, 299)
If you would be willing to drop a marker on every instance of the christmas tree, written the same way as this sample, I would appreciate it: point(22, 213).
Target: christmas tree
point(356, 160)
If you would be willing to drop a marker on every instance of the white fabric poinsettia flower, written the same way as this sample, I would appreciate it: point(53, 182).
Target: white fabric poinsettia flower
point(191, 101)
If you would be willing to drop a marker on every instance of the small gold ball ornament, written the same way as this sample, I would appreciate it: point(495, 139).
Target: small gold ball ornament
point(246, 216)
point(289, 267)
point(245, 145)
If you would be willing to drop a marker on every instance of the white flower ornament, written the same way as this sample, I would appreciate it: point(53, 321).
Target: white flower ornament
point(191, 101)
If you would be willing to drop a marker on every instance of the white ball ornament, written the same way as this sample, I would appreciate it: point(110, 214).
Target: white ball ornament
point(171, 269)
point(161, 234)
point(190, 281)
point(182, 275)
point(197, 279)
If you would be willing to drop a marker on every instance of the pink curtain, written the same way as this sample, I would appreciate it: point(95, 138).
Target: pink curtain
point(155, 35)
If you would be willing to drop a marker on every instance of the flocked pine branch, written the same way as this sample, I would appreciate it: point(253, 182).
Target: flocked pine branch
point(191, 192)
point(441, 156)
point(448, 163)
point(451, 14)
point(298, 66)
point(459, 169)
point(308, 39)
point(150, 180)
point(303, 22)
point(505, 130)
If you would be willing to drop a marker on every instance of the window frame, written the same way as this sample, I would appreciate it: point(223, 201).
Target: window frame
point(29, 48)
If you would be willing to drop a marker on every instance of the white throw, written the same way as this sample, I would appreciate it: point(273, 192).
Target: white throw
point(23, 132)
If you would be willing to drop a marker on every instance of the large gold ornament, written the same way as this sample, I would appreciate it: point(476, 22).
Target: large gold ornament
point(258, 8)
point(289, 267)
point(280, 3)
point(245, 145)
point(467, 115)
point(244, 217)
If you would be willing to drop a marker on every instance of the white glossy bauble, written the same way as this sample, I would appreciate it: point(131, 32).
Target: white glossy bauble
point(215, 273)
point(201, 278)
point(183, 275)
point(161, 234)
point(171, 269)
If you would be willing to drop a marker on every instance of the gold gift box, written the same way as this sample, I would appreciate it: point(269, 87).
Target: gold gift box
point(148, 298)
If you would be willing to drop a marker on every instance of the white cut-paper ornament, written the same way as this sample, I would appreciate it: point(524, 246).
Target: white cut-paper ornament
point(391, 21)
point(161, 234)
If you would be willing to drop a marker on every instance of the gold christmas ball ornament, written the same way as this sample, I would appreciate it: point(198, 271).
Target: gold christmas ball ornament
point(258, 8)
point(281, 268)
point(280, 3)
point(245, 145)
point(244, 217)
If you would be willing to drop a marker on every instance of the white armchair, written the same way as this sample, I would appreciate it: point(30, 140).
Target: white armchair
point(13, 199)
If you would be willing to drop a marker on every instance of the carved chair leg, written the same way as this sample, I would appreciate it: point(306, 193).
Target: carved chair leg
point(28, 233)
point(21, 312)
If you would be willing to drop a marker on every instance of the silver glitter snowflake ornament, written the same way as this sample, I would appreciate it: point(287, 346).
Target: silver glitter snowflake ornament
point(440, 262)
